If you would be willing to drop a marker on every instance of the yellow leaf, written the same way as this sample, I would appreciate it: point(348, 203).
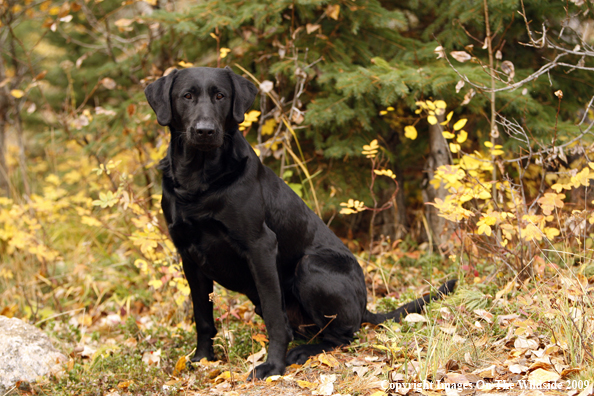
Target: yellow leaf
point(180, 365)
point(488, 144)
point(327, 360)
point(484, 229)
point(448, 135)
point(222, 377)
point(91, 221)
point(454, 147)
point(156, 283)
point(462, 136)
point(268, 127)
point(551, 232)
point(540, 376)
point(306, 384)
point(224, 52)
point(410, 132)
point(550, 201)
point(440, 104)
point(531, 232)
point(383, 112)
point(448, 118)
point(274, 378)
point(185, 64)
point(17, 93)
point(432, 120)
point(333, 11)
point(460, 124)
point(581, 178)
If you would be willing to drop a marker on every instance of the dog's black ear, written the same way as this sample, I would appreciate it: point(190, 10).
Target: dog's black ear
point(158, 95)
point(244, 95)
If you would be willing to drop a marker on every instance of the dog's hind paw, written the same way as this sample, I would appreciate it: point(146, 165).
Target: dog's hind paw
point(301, 353)
point(266, 370)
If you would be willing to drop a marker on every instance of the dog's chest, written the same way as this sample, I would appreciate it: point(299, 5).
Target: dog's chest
point(204, 239)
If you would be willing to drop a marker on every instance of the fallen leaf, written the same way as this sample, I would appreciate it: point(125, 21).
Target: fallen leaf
point(152, 358)
point(415, 318)
point(540, 376)
point(487, 316)
point(180, 365)
point(306, 385)
point(589, 390)
point(525, 343)
point(360, 371)
point(517, 368)
point(456, 378)
point(326, 386)
point(327, 360)
point(486, 372)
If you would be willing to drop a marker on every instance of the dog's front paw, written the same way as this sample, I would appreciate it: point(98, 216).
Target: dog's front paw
point(198, 356)
point(266, 370)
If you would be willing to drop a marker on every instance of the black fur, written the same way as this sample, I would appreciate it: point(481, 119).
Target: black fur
point(234, 221)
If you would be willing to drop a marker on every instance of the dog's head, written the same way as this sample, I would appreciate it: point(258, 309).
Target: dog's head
point(201, 103)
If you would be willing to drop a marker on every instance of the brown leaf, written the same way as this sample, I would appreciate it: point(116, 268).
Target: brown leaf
point(333, 11)
point(461, 56)
point(131, 109)
point(180, 365)
point(455, 378)
point(124, 22)
point(508, 68)
point(311, 27)
point(108, 83)
point(40, 76)
point(64, 10)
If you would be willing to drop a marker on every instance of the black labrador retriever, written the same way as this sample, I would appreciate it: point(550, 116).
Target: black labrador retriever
point(234, 221)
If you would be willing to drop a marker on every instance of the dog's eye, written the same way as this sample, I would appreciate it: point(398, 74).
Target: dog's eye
point(219, 96)
point(188, 96)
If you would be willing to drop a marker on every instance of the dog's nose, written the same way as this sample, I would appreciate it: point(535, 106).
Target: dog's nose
point(205, 129)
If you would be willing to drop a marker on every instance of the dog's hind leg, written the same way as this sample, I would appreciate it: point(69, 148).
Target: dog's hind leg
point(332, 292)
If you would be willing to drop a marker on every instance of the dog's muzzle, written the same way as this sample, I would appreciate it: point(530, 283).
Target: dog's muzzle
point(205, 136)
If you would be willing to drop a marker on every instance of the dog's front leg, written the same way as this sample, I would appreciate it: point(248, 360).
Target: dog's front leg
point(262, 261)
point(201, 287)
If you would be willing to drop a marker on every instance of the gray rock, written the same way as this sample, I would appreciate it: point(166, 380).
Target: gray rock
point(25, 353)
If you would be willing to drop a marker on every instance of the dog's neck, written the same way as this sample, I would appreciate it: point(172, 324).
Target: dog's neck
point(194, 171)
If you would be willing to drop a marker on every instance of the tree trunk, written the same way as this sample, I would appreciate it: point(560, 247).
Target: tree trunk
point(438, 229)
point(393, 220)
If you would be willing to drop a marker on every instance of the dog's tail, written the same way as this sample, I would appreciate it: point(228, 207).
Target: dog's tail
point(415, 306)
